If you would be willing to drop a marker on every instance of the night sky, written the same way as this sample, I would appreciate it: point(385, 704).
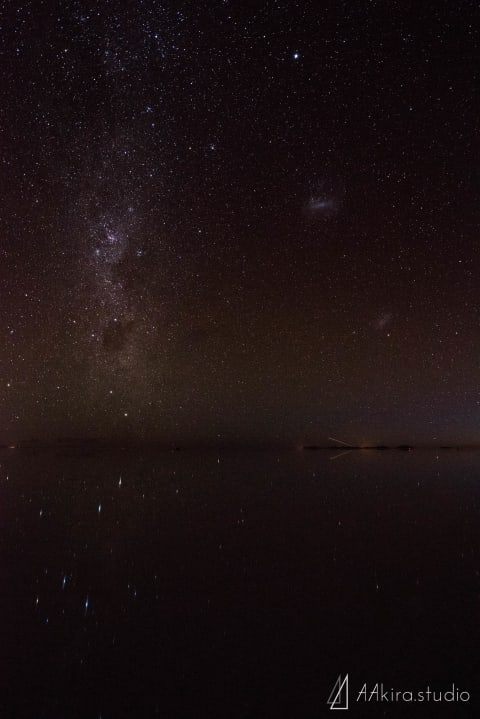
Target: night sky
point(240, 221)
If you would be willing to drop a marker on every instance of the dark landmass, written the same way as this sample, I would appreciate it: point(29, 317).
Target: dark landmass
point(103, 444)
point(383, 447)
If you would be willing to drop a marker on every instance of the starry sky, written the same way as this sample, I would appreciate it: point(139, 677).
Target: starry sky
point(240, 221)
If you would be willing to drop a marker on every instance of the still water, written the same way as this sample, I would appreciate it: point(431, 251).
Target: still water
point(236, 584)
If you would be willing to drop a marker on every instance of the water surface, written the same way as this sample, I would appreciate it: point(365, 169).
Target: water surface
point(235, 583)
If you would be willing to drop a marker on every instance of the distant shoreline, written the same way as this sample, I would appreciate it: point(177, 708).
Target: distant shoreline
point(98, 444)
